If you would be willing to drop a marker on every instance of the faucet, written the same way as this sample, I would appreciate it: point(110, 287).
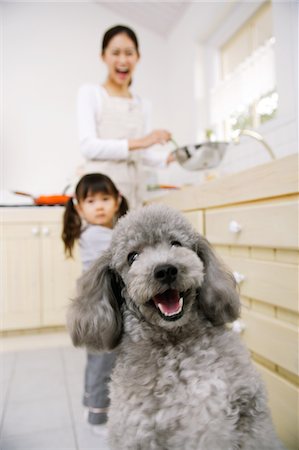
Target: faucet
point(254, 135)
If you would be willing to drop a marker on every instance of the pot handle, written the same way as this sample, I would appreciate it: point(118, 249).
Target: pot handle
point(25, 194)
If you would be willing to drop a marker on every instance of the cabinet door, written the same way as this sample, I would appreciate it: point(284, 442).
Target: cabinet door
point(58, 278)
point(20, 273)
point(270, 282)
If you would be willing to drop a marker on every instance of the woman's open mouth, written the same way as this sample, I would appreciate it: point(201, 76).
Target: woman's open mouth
point(122, 72)
point(169, 304)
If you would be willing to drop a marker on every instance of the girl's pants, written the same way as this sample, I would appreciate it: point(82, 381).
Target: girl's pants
point(97, 376)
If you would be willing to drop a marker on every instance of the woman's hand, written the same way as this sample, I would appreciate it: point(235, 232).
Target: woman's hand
point(155, 137)
point(170, 159)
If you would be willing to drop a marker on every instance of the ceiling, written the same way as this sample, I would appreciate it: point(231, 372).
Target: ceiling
point(159, 17)
point(162, 17)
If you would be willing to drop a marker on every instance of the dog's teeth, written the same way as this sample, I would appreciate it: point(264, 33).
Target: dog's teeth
point(160, 306)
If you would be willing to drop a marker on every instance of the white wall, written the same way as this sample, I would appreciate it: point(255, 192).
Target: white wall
point(187, 85)
point(48, 51)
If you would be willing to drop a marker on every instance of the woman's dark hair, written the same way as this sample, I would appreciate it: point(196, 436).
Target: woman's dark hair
point(118, 29)
point(89, 184)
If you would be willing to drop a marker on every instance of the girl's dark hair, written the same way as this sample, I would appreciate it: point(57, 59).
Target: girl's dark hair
point(92, 183)
point(118, 29)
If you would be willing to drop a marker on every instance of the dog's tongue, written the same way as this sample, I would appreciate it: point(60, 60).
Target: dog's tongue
point(168, 302)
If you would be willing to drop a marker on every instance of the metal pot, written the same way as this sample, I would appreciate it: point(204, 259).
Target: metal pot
point(209, 154)
point(200, 156)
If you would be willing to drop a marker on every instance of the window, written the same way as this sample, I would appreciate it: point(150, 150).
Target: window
point(245, 95)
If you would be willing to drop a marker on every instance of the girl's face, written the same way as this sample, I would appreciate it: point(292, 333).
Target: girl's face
point(98, 209)
point(121, 57)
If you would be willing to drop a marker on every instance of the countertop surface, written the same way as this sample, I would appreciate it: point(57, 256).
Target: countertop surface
point(274, 179)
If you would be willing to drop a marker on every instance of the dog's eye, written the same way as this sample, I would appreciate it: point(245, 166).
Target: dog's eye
point(176, 243)
point(132, 257)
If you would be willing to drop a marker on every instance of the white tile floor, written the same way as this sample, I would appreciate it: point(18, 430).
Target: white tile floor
point(40, 395)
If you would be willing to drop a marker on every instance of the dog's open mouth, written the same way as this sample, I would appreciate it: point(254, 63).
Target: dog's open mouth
point(169, 304)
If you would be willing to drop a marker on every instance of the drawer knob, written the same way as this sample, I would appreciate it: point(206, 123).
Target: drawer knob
point(35, 231)
point(234, 227)
point(46, 231)
point(239, 277)
point(238, 326)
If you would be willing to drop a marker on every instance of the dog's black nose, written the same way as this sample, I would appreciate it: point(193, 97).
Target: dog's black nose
point(166, 273)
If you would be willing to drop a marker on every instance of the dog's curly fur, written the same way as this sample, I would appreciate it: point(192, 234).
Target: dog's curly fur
point(183, 380)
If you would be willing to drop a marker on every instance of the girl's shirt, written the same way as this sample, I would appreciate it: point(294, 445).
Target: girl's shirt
point(94, 240)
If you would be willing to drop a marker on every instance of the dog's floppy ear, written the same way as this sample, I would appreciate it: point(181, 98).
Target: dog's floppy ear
point(218, 298)
point(94, 318)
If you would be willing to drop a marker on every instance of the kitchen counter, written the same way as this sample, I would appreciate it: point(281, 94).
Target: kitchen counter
point(278, 178)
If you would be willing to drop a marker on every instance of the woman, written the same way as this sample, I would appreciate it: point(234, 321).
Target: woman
point(114, 122)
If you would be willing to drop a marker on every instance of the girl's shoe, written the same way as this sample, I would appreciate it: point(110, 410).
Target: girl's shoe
point(100, 430)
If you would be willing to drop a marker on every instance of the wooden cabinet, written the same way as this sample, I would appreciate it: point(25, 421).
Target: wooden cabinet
point(251, 219)
point(20, 286)
point(272, 282)
point(37, 280)
point(264, 258)
point(259, 224)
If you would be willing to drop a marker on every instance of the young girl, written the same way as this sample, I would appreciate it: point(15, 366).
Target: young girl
point(114, 123)
point(89, 217)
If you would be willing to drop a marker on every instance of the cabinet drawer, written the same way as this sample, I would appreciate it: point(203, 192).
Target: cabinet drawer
point(271, 282)
point(271, 339)
point(265, 225)
point(20, 231)
point(29, 230)
point(283, 402)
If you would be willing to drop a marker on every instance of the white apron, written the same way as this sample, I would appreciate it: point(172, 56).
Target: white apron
point(121, 118)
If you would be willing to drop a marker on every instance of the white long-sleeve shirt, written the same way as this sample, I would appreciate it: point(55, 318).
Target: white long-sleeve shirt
point(93, 147)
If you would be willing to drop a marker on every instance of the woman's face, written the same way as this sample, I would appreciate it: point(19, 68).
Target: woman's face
point(121, 57)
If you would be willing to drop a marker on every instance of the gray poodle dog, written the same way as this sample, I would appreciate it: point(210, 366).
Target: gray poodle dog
point(182, 380)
